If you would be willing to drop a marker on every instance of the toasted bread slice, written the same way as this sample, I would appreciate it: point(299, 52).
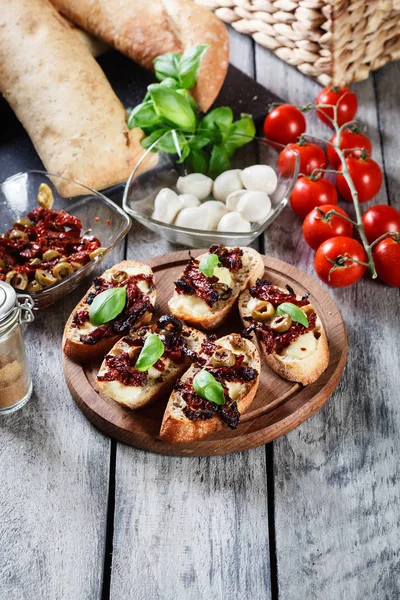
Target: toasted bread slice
point(75, 344)
point(305, 359)
point(194, 310)
point(145, 387)
point(177, 427)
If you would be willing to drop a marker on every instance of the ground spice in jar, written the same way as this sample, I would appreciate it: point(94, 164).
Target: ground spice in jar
point(13, 384)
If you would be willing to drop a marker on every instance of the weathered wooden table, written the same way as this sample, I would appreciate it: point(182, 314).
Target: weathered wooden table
point(313, 515)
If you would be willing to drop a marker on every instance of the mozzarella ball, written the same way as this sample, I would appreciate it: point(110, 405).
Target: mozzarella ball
point(213, 211)
point(233, 222)
point(166, 205)
point(227, 182)
point(188, 200)
point(254, 206)
point(191, 217)
point(197, 184)
point(260, 178)
point(233, 199)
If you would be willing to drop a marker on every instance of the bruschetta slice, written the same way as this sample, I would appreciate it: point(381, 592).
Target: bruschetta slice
point(297, 352)
point(205, 301)
point(85, 342)
point(134, 388)
point(235, 364)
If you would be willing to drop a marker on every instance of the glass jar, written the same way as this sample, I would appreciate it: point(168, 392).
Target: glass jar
point(15, 379)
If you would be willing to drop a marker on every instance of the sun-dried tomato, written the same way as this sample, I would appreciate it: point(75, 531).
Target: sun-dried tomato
point(264, 290)
point(122, 368)
point(231, 258)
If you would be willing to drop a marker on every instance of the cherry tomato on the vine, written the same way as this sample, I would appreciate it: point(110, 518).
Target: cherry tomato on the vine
point(380, 219)
point(311, 157)
point(349, 140)
point(283, 125)
point(333, 261)
point(386, 257)
point(343, 98)
point(310, 192)
point(367, 178)
point(317, 228)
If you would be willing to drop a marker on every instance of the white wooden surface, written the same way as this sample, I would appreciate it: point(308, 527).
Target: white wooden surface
point(198, 528)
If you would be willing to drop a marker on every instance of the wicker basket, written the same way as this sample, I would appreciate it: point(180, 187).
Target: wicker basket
point(334, 42)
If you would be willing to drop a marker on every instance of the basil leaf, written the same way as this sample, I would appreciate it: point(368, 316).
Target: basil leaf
point(143, 115)
point(197, 161)
point(173, 107)
point(152, 350)
point(185, 151)
point(208, 264)
point(167, 65)
point(153, 137)
point(221, 117)
point(199, 141)
point(287, 308)
point(240, 133)
point(189, 66)
point(171, 83)
point(206, 386)
point(219, 162)
point(107, 305)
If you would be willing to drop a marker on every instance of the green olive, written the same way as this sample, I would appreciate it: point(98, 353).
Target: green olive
point(45, 278)
point(45, 196)
point(281, 323)
point(16, 234)
point(50, 255)
point(76, 265)
point(119, 276)
point(35, 262)
point(24, 222)
point(62, 270)
point(223, 357)
point(34, 286)
point(263, 311)
point(2, 264)
point(97, 253)
point(17, 280)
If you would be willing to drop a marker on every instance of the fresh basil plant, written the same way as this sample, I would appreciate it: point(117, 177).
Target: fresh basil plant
point(298, 315)
point(107, 305)
point(152, 350)
point(206, 386)
point(205, 144)
point(208, 263)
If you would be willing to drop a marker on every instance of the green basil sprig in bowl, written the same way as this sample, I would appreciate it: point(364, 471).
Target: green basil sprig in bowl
point(172, 122)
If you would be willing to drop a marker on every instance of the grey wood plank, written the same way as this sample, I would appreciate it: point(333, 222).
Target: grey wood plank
point(54, 472)
point(190, 528)
point(336, 476)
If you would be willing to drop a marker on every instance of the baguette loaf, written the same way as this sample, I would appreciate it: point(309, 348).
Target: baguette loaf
point(183, 422)
point(142, 388)
point(63, 99)
point(305, 358)
point(194, 310)
point(144, 29)
point(77, 345)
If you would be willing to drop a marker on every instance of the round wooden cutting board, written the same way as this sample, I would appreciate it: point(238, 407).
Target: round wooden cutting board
point(278, 407)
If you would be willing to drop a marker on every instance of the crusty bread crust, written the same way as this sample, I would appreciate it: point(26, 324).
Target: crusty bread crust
point(179, 429)
point(155, 391)
point(222, 309)
point(79, 352)
point(144, 29)
point(305, 370)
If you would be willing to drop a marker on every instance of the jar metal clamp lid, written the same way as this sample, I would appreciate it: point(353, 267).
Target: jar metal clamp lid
point(14, 308)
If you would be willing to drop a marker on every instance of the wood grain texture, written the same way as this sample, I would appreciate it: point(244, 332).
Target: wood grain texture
point(190, 528)
point(54, 480)
point(336, 476)
point(278, 406)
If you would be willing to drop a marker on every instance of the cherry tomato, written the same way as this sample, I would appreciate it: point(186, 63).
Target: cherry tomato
point(386, 257)
point(367, 178)
point(336, 252)
point(343, 98)
point(318, 229)
point(349, 139)
point(283, 125)
point(380, 219)
point(311, 157)
point(310, 192)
